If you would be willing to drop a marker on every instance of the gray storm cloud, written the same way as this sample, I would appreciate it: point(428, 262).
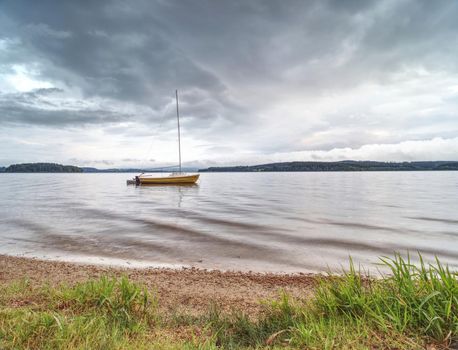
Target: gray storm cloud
point(257, 79)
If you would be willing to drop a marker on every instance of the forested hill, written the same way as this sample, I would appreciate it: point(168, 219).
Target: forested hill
point(346, 165)
point(41, 168)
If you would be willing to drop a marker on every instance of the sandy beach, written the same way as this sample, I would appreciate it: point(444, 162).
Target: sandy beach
point(192, 290)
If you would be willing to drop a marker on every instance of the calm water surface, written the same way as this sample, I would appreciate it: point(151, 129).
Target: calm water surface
point(280, 222)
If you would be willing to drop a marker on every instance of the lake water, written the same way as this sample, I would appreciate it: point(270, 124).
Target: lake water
point(279, 222)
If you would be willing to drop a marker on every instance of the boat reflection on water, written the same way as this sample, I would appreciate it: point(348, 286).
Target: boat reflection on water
point(174, 191)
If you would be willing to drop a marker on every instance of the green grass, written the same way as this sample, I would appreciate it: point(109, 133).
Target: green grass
point(413, 307)
point(99, 314)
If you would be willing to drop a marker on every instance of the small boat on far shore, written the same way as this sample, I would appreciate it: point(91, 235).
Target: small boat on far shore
point(176, 178)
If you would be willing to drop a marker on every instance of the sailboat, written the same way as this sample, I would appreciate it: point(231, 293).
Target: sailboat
point(174, 178)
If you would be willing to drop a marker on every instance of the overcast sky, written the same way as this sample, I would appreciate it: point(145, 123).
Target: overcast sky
point(92, 83)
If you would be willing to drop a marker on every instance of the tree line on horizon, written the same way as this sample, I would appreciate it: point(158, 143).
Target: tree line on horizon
point(41, 168)
point(347, 165)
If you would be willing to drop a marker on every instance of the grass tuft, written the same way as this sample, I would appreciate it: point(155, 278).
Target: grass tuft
point(413, 299)
point(97, 314)
point(122, 302)
point(413, 306)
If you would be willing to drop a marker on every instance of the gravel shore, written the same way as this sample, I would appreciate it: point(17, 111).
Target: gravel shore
point(190, 290)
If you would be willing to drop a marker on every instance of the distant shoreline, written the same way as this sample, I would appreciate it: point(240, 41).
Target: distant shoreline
point(238, 172)
point(340, 166)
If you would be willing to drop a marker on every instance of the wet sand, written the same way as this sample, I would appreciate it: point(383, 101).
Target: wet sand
point(188, 289)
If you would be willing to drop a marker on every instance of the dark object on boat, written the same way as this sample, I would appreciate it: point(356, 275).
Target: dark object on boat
point(134, 181)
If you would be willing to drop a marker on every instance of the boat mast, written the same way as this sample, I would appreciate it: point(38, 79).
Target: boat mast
point(178, 122)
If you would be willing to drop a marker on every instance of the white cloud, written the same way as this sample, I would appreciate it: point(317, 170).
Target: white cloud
point(23, 80)
point(433, 149)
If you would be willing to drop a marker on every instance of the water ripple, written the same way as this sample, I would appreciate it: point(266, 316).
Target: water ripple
point(263, 222)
